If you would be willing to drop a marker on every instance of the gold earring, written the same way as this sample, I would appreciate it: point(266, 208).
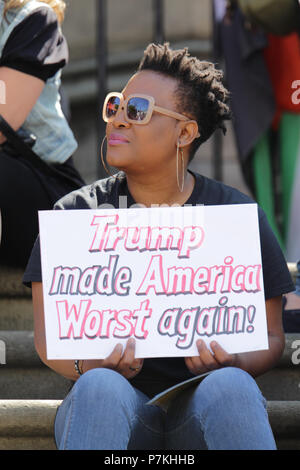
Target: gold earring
point(180, 187)
point(102, 158)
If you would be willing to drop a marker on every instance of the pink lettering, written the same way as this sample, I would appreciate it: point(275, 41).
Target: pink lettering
point(78, 321)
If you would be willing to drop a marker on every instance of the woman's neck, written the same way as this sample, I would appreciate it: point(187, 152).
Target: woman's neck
point(160, 190)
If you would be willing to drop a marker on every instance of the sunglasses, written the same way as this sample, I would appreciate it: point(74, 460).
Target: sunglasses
point(138, 108)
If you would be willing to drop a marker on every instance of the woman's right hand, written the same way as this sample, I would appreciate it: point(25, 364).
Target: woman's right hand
point(123, 362)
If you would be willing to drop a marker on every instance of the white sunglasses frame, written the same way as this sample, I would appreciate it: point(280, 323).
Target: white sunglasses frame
point(152, 107)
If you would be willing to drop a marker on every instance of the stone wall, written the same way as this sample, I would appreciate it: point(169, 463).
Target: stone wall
point(130, 24)
point(130, 28)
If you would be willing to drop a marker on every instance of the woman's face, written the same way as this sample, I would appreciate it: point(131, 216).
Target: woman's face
point(147, 148)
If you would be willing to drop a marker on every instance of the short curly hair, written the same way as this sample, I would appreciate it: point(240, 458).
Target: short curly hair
point(200, 90)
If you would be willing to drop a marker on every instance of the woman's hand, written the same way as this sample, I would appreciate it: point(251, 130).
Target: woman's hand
point(209, 360)
point(253, 362)
point(123, 362)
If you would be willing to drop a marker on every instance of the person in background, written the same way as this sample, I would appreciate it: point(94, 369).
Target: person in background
point(261, 68)
point(260, 45)
point(168, 108)
point(36, 142)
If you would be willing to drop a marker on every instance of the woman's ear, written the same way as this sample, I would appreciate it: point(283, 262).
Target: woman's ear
point(188, 133)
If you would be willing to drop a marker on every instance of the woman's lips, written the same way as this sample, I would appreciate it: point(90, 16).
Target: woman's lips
point(117, 139)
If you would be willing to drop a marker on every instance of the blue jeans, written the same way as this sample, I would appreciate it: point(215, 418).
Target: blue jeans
point(103, 411)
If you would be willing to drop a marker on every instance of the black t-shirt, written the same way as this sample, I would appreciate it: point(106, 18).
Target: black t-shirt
point(158, 374)
point(36, 46)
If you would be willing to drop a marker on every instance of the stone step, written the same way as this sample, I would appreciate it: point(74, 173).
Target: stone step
point(284, 419)
point(24, 376)
point(11, 283)
point(15, 301)
point(16, 304)
point(16, 313)
point(283, 381)
point(28, 424)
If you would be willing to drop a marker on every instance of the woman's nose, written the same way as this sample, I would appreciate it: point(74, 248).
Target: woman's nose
point(120, 119)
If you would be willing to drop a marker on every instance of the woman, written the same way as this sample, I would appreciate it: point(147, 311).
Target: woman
point(153, 146)
point(34, 176)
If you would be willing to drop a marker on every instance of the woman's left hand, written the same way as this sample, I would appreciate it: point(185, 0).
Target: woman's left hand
point(209, 360)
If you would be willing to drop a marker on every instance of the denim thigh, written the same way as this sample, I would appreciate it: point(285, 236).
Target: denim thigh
point(104, 411)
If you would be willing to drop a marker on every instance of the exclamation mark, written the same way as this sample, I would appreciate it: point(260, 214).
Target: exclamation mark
point(251, 314)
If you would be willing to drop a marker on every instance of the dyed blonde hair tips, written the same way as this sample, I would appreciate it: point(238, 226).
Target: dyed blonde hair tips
point(58, 6)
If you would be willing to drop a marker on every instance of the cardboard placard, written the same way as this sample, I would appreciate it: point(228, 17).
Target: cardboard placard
point(165, 276)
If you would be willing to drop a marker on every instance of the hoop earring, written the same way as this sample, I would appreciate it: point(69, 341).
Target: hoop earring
point(180, 187)
point(102, 158)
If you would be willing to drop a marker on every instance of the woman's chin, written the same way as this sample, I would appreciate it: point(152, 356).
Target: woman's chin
point(117, 161)
point(116, 164)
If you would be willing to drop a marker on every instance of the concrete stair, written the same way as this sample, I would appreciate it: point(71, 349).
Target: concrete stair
point(30, 392)
point(27, 424)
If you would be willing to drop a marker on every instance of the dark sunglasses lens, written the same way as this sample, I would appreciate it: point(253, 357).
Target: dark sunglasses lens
point(137, 108)
point(112, 106)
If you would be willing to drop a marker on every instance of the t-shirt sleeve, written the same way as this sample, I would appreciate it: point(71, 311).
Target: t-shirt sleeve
point(33, 272)
point(83, 198)
point(36, 46)
point(277, 278)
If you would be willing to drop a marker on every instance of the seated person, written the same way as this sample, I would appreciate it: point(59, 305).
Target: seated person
point(33, 52)
point(152, 147)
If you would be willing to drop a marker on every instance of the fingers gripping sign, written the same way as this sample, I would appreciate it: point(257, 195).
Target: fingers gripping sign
point(209, 359)
point(127, 365)
point(119, 360)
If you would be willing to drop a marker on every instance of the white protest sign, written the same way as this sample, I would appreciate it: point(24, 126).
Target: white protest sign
point(165, 276)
